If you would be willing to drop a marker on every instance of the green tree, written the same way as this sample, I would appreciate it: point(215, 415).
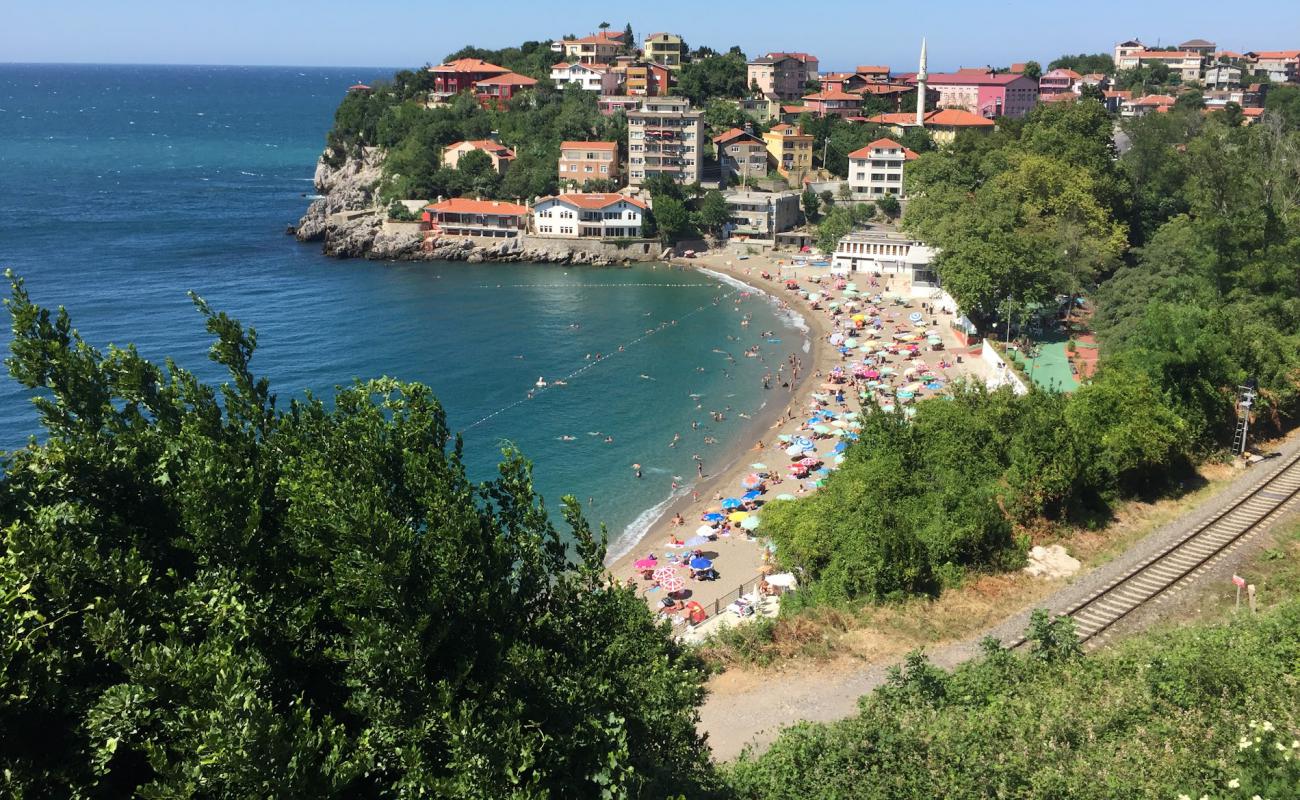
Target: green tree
point(1284, 100)
point(1085, 63)
point(718, 76)
point(1033, 70)
point(811, 204)
point(713, 212)
point(672, 219)
point(204, 589)
point(888, 205)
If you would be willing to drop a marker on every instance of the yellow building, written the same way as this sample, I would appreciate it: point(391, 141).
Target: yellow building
point(791, 149)
point(665, 48)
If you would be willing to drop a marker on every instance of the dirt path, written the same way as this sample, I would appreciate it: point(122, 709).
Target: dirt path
point(747, 708)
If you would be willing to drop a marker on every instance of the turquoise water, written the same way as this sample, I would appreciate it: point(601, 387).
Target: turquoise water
point(123, 187)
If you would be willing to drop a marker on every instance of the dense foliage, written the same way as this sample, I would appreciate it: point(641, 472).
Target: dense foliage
point(1206, 710)
point(1085, 63)
point(917, 503)
point(203, 595)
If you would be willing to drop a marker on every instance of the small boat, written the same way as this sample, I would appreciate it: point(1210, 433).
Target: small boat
point(541, 382)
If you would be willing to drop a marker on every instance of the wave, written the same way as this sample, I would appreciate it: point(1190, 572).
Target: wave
point(788, 316)
point(639, 527)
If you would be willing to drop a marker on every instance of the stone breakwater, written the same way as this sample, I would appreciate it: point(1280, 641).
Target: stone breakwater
point(349, 223)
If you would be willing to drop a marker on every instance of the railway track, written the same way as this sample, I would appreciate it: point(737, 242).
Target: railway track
point(1272, 496)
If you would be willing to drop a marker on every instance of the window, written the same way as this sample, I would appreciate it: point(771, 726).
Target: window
point(604, 169)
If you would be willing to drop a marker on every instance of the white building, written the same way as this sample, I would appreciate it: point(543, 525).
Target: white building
point(876, 251)
point(592, 77)
point(665, 137)
point(587, 215)
point(877, 169)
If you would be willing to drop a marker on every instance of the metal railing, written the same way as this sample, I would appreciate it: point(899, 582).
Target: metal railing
point(721, 604)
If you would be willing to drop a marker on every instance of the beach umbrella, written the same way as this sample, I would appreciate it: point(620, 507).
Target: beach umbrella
point(758, 466)
point(646, 563)
point(672, 584)
point(821, 429)
point(664, 573)
point(809, 462)
point(696, 541)
point(713, 516)
point(803, 441)
point(699, 562)
point(823, 472)
point(731, 502)
point(785, 496)
point(738, 516)
point(794, 450)
point(840, 448)
point(751, 481)
point(784, 437)
point(752, 495)
point(749, 524)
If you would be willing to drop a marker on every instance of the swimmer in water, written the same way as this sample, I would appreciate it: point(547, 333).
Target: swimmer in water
point(609, 440)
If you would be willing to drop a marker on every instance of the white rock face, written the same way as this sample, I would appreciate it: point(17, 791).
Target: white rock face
point(1051, 562)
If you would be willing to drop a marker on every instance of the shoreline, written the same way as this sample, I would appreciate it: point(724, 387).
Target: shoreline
point(738, 559)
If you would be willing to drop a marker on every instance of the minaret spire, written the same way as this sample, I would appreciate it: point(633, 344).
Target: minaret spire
point(921, 77)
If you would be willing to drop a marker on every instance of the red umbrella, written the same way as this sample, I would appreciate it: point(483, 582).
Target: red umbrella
point(808, 463)
point(665, 573)
point(751, 480)
point(672, 584)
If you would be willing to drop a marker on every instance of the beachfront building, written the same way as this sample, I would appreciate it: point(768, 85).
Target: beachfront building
point(761, 215)
point(500, 154)
point(665, 48)
point(882, 252)
point(588, 215)
point(461, 75)
point(784, 75)
point(833, 103)
point(742, 155)
point(587, 161)
point(461, 216)
point(599, 48)
point(789, 150)
point(497, 91)
point(592, 77)
point(987, 94)
point(665, 136)
point(877, 169)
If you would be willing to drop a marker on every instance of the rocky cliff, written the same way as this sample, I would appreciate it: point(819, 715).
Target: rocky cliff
point(345, 192)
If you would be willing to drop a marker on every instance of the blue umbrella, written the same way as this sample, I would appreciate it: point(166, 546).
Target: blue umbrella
point(732, 502)
point(803, 442)
point(823, 471)
point(840, 448)
point(714, 517)
point(701, 563)
point(754, 495)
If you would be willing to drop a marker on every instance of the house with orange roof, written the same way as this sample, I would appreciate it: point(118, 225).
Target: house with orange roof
point(1279, 65)
point(1058, 81)
point(741, 154)
point(461, 216)
point(497, 91)
point(500, 154)
point(587, 161)
point(599, 78)
point(1185, 63)
point(1150, 104)
point(873, 72)
point(460, 75)
point(832, 103)
point(877, 168)
point(942, 124)
point(598, 48)
point(588, 215)
point(1114, 99)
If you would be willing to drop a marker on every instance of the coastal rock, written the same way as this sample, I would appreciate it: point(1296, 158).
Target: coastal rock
point(347, 187)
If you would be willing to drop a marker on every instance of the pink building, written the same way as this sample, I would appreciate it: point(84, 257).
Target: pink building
point(1058, 81)
point(986, 94)
point(833, 103)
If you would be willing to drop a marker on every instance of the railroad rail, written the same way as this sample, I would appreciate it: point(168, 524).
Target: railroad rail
point(1254, 509)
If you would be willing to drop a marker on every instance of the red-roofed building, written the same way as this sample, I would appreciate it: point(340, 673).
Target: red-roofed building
point(943, 124)
point(1059, 97)
point(497, 92)
point(873, 72)
point(500, 154)
point(461, 75)
point(1185, 63)
point(587, 215)
point(833, 103)
point(588, 161)
point(597, 78)
point(741, 154)
point(1151, 104)
point(785, 75)
point(358, 87)
point(599, 48)
point(1114, 99)
point(1058, 81)
point(877, 169)
point(462, 216)
point(986, 94)
point(1017, 68)
point(1280, 65)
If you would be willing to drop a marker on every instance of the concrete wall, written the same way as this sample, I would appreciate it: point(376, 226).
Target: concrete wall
point(638, 250)
point(1003, 375)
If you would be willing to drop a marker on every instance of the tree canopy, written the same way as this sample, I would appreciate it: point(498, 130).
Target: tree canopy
point(205, 592)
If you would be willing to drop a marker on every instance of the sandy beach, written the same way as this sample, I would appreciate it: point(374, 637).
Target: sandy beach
point(738, 558)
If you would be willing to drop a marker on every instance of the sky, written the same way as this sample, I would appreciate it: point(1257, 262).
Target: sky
point(841, 33)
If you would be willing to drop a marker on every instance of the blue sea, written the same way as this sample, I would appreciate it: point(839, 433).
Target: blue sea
point(124, 187)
